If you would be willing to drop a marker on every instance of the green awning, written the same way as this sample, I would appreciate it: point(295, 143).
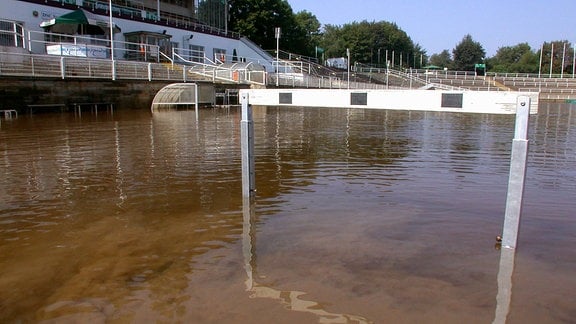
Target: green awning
point(80, 22)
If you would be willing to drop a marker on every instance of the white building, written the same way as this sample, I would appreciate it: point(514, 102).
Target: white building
point(144, 30)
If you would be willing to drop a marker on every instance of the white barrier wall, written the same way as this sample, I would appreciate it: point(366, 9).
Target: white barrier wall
point(490, 102)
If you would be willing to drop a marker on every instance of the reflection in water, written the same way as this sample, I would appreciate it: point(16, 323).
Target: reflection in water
point(504, 297)
point(387, 215)
point(101, 216)
point(291, 299)
point(119, 175)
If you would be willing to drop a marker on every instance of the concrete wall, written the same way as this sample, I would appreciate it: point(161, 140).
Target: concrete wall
point(19, 93)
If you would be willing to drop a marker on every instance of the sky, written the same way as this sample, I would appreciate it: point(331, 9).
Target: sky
point(442, 24)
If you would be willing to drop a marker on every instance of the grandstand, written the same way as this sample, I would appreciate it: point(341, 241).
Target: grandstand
point(552, 88)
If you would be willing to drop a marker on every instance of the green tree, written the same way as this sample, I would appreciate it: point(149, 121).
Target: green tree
point(331, 42)
point(553, 53)
point(441, 59)
point(467, 53)
point(309, 29)
point(257, 19)
point(420, 58)
point(369, 41)
point(527, 63)
point(514, 59)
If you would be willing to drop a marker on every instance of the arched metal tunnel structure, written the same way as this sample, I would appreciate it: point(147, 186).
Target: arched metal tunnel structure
point(184, 94)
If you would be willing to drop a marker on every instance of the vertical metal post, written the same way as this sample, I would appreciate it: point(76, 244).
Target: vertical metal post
point(517, 174)
point(62, 68)
point(348, 65)
point(573, 60)
point(113, 70)
point(226, 17)
point(563, 60)
point(277, 32)
point(196, 100)
point(111, 23)
point(551, 60)
point(540, 66)
point(247, 144)
point(157, 10)
point(386, 61)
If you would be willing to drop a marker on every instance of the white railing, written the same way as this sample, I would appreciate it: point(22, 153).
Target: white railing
point(300, 80)
point(74, 67)
point(67, 67)
point(76, 56)
point(543, 75)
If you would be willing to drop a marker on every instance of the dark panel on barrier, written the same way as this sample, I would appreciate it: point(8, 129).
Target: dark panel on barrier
point(285, 98)
point(359, 98)
point(452, 100)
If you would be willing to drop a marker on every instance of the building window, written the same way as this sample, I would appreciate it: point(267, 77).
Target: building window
point(219, 55)
point(11, 34)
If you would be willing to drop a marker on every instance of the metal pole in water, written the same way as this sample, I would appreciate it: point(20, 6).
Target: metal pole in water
point(247, 140)
point(517, 174)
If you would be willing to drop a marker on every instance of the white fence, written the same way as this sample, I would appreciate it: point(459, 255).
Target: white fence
point(75, 56)
point(62, 67)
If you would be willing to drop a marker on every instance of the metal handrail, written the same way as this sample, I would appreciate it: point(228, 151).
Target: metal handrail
point(167, 57)
point(69, 67)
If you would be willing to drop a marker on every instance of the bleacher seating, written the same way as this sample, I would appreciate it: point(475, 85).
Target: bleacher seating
point(549, 88)
point(554, 88)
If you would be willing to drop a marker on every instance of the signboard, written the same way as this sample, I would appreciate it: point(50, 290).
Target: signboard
point(358, 98)
point(78, 50)
point(452, 100)
point(285, 98)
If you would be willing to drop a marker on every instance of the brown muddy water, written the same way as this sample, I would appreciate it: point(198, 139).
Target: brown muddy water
point(360, 216)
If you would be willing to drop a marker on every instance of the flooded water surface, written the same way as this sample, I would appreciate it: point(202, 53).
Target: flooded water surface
point(360, 216)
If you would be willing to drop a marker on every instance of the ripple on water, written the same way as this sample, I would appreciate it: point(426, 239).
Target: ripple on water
point(378, 216)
